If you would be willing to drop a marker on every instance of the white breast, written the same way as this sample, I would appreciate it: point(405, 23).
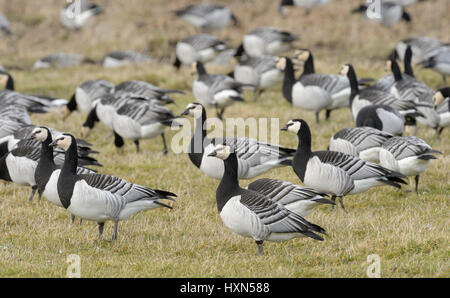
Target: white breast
point(51, 189)
point(21, 170)
point(127, 127)
point(311, 98)
point(270, 78)
point(83, 100)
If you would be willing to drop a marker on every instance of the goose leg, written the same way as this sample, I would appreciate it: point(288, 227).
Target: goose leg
point(317, 117)
point(220, 113)
point(136, 142)
point(444, 79)
point(165, 150)
point(72, 219)
point(341, 202)
point(116, 226)
point(327, 115)
point(81, 221)
point(33, 191)
point(333, 198)
point(260, 247)
point(101, 225)
point(258, 92)
point(118, 142)
point(417, 183)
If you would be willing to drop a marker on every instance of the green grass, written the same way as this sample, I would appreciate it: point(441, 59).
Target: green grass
point(409, 232)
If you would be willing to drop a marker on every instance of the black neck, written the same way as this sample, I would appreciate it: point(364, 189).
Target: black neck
point(407, 62)
point(308, 68)
point(197, 142)
point(289, 80)
point(229, 184)
point(396, 71)
point(91, 118)
point(303, 151)
point(68, 175)
point(72, 104)
point(46, 164)
point(4, 173)
point(351, 75)
point(201, 69)
point(3, 148)
point(10, 83)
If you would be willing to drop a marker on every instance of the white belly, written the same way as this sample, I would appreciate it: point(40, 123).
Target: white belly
point(51, 189)
point(83, 101)
point(311, 98)
point(105, 114)
point(21, 170)
point(270, 78)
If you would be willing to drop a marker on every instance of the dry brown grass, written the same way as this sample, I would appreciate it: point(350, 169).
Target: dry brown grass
point(409, 232)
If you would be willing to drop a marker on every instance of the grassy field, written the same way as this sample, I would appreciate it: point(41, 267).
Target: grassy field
point(409, 232)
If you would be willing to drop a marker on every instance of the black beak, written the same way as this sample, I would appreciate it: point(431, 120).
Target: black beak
point(53, 144)
point(213, 154)
point(186, 112)
point(285, 128)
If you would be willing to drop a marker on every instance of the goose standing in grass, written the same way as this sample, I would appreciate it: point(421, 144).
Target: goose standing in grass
point(207, 16)
point(100, 198)
point(373, 96)
point(259, 71)
point(251, 214)
point(61, 60)
point(254, 157)
point(199, 47)
point(119, 58)
point(440, 62)
point(422, 47)
point(364, 142)
point(85, 94)
point(384, 12)
point(442, 103)
point(302, 93)
point(215, 90)
point(140, 119)
point(336, 173)
point(4, 24)
point(298, 199)
point(268, 41)
point(409, 156)
point(76, 14)
point(306, 4)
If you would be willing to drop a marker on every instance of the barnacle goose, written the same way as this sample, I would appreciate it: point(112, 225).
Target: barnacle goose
point(442, 102)
point(261, 72)
point(215, 90)
point(409, 156)
point(139, 118)
point(47, 171)
point(302, 92)
point(119, 58)
point(334, 172)
point(298, 199)
point(76, 14)
point(440, 62)
point(207, 16)
point(198, 47)
point(267, 41)
point(19, 164)
point(384, 118)
point(33, 104)
point(385, 12)
point(307, 4)
point(373, 96)
point(251, 214)
point(85, 94)
point(4, 24)
point(254, 157)
point(61, 60)
point(422, 47)
point(6, 80)
point(99, 198)
point(364, 142)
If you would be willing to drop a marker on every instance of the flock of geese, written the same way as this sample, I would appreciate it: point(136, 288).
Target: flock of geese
point(374, 153)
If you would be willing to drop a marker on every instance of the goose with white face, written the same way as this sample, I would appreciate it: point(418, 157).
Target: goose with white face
point(221, 151)
point(292, 126)
point(62, 141)
point(40, 134)
point(344, 70)
point(193, 109)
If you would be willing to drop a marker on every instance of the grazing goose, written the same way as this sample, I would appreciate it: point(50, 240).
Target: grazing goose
point(267, 41)
point(147, 90)
point(251, 214)
point(86, 94)
point(442, 102)
point(334, 172)
point(207, 16)
point(373, 96)
point(4, 24)
point(306, 4)
point(199, 47)
point(61, 60)
point(76, 14)
point(254, 157)
point(421, 46)
point(364, 142)
point(302, 93)
point(384, 12)
point(260, 71)
point(298, 199)
point(409, 156)
point(440, 62)
point(119, 58)
point(140, 119)
point(215, 90)
point(384, 118)
point(98, 197)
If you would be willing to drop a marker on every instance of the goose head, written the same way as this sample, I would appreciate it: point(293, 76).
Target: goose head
point(193, 109)
point(63, 141)
point(345, 69)
point(6, 80)
point(293, 126)
point(40, 134)
point(281, 63)
point(440, 95)
point(221, 151)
